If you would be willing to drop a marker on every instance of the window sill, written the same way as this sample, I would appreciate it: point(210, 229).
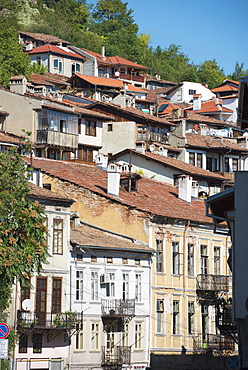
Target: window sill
point(95, 351)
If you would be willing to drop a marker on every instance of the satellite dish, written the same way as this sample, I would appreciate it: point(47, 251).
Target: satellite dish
point(152, 148)
point(27, 305)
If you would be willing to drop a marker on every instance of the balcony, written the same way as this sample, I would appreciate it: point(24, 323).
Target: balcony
point(214, 283)
point(215, 342)
point(55, 138)
point(129, 77)
point(117, 310)
point(116, 356)
point(45, 320)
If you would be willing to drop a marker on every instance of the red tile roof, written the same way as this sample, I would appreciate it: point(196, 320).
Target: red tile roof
point(153, 197)
point(44, 49)
point(42, 193)
point(9, 138)
point(115, 60)
point(225, 88)
point(43, 37)
point(102, 81)
point(212, 142)
point(47, 80)
point(90, 236)
point(213, 106)
point(175, 163)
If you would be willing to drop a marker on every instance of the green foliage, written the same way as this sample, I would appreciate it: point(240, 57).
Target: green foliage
point(12, 59)
point(239, 72)
point(38, 68)
point(23, 244)
point(209, 72)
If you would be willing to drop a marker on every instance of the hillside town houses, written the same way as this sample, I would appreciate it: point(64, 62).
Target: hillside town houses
point(122, 163)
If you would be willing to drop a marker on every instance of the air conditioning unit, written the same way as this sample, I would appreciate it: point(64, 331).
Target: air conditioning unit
point(104, 279)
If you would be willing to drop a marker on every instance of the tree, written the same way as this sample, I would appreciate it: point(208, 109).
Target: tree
point(239, 72)
point(23, 244)
point(209, 72)
point(12, 60)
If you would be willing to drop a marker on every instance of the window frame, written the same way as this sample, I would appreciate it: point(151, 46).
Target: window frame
point(58, 241)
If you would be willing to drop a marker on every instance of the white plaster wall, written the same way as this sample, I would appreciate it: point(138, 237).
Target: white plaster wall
point(123, 136)
point(200, 89)
point(88, 139)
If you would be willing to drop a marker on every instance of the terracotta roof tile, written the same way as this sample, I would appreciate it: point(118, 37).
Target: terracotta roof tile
point(56, 50)
point(225, 88)
point(153, 197)
point(42, 193)
point(7, 137)
point(115, 60)
point(176, 164)
point(102, 81)
point(43, 37)
point(212, 142)
point(90, 236)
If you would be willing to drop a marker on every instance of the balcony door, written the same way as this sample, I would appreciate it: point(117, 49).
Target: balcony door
point(41, 294)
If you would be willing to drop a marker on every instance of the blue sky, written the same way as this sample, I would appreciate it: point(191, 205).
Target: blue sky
point(205, 29)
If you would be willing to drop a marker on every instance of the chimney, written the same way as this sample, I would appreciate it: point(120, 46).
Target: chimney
point(176, 113)
point(203, 129)
point(29, 45)
point(185, 188)
point(196, 102)
point(114, 174)
point(163, 151)
point(103, 52)
point(101, 161)
point(18, 84)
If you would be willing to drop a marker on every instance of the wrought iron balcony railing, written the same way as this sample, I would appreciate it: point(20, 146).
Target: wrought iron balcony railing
point(49, 320)
point(118, 307)
point(213, 341)
point(118, 355)
point(216, 283)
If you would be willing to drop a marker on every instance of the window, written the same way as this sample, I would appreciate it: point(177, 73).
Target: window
point(56, 294)
point(110, 286)
point(124, 261)
point(110, 337)
point(25, 290)
point(110, 127)
point(199, 160)
point(179, 94)
point(125, 286)
point(125, 335)
point(62, 125)
point(57, 236)
point(94, 285)
point(142, 130)
point(37, 343)
point(175, 258)
point(234, 164)
point(159, 256)
point(94, 336)
point(79, 257)
point(137, 262)
point(85, 155)
point(216, 261)
point(190, 259)
point(175, 317)
point(212, 164)
point(227, 165)
point(191, 317)
point(160, 315)
point(23, 343)
point(192, 92)
point(109, 259)
point(138, 287)
point(79, 338)
point(75, 67)
point(204, 260)
point(57, 64)
point(137, 339)
point(192, 159)
point(79, 285)
point(205, 320)
point(90, 128)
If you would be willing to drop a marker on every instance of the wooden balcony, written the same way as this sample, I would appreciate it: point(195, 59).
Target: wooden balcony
point(215, 342)
point(55, 138)
point(129, 77)
point(116, 356)
point(214, 283)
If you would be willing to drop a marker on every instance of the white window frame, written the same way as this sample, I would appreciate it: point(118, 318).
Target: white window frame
point(94, 286)
point(160, 315)
point(176, 317)
point(138, 294)
point(79, 339)
point(125, 285)
point(110, 285)
point(138, 335)
point(94, 339)
point(79, 285)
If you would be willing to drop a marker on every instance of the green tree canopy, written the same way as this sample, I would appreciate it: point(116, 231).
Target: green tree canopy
point(23, 244)
point(209, 72)
point(239, 72)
